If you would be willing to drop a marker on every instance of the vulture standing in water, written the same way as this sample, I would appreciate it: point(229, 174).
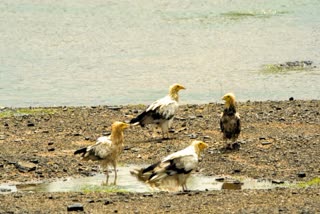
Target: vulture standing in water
point(161, 112)
point(230, 120)
point(173, 169)
point(107, 149)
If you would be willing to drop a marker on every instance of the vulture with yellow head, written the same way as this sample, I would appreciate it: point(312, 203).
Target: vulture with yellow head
point(174, 169)
point(230, 120)
point(107, 149)
point(161, 112)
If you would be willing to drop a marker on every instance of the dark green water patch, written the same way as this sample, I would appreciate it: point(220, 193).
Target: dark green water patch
point(8, 112)
point(239, 15)
point(288, 66)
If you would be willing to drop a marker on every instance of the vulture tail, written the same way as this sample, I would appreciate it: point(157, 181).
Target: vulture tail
point(80, 151)
point(138, 119)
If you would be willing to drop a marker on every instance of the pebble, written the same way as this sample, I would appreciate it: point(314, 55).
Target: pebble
point(220, 179)
point(115, 108)
point(30, 124)
point(35, 161)
point(301, 174)
point(265, 143)
point(147, 195)
point(25, 166)
point(236, 170)
point(75, 207)
point(108, 201)
point(51, 149)
point(2, 137)
point(192, 136)
point(277, 181)
point(192, 117)
point(90, 201)
point(207, 137)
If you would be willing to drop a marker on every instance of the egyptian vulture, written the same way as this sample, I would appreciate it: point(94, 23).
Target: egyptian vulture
point(161, 112)
point(107, 149)
point(173, 169)
point(230, 120)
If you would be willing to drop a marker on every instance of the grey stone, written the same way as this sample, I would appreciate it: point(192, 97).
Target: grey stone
point(75, 207)
point(25, 166)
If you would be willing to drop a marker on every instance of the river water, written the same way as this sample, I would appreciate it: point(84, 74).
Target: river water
point(111, 52)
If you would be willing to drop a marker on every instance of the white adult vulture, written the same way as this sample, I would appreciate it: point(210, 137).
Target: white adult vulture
point(173, 169)
point(107, 149)
point(161, 112)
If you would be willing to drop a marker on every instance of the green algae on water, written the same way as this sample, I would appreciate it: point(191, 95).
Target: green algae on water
point(7, 112)
point(106, 189)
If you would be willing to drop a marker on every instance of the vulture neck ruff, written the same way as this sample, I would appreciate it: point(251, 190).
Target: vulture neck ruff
point(173, 93)
point(117, 135)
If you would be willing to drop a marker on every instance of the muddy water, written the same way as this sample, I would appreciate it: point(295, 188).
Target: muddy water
point(70, 52)
point(128, 183)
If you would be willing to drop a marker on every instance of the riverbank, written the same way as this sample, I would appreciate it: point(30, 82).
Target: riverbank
point(279, 141)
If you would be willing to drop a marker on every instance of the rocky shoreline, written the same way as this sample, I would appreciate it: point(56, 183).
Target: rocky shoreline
point(279, 141)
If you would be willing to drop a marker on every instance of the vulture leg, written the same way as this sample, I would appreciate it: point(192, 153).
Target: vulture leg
point(115, 173)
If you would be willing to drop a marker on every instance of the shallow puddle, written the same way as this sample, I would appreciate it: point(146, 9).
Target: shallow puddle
point(127, 183)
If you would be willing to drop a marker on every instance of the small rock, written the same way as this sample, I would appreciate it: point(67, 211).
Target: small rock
point(236, 170)
point(25, 166)
point(108, 201)
point(172, 130)
point(30, 124)
point(75, 207)
point(265, 143)
point(262, 138)
point(2, 189)
point(147, 195)
point(51, 149)
point(35, 161)
point(192, 136)
point(301, 174)
point(90, 201)
point(291, 99)
point(277, 182)
point(2, 137)
point(126, 148)
point(50, 143)
point(206, 137)
point(115, 108)
point(220, 179)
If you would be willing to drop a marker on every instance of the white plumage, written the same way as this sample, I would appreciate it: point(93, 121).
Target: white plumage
point(173, 169)
point(162, 111)
point(107, 149)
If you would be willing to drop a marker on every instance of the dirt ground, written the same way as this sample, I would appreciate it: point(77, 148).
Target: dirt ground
point(279, 141)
